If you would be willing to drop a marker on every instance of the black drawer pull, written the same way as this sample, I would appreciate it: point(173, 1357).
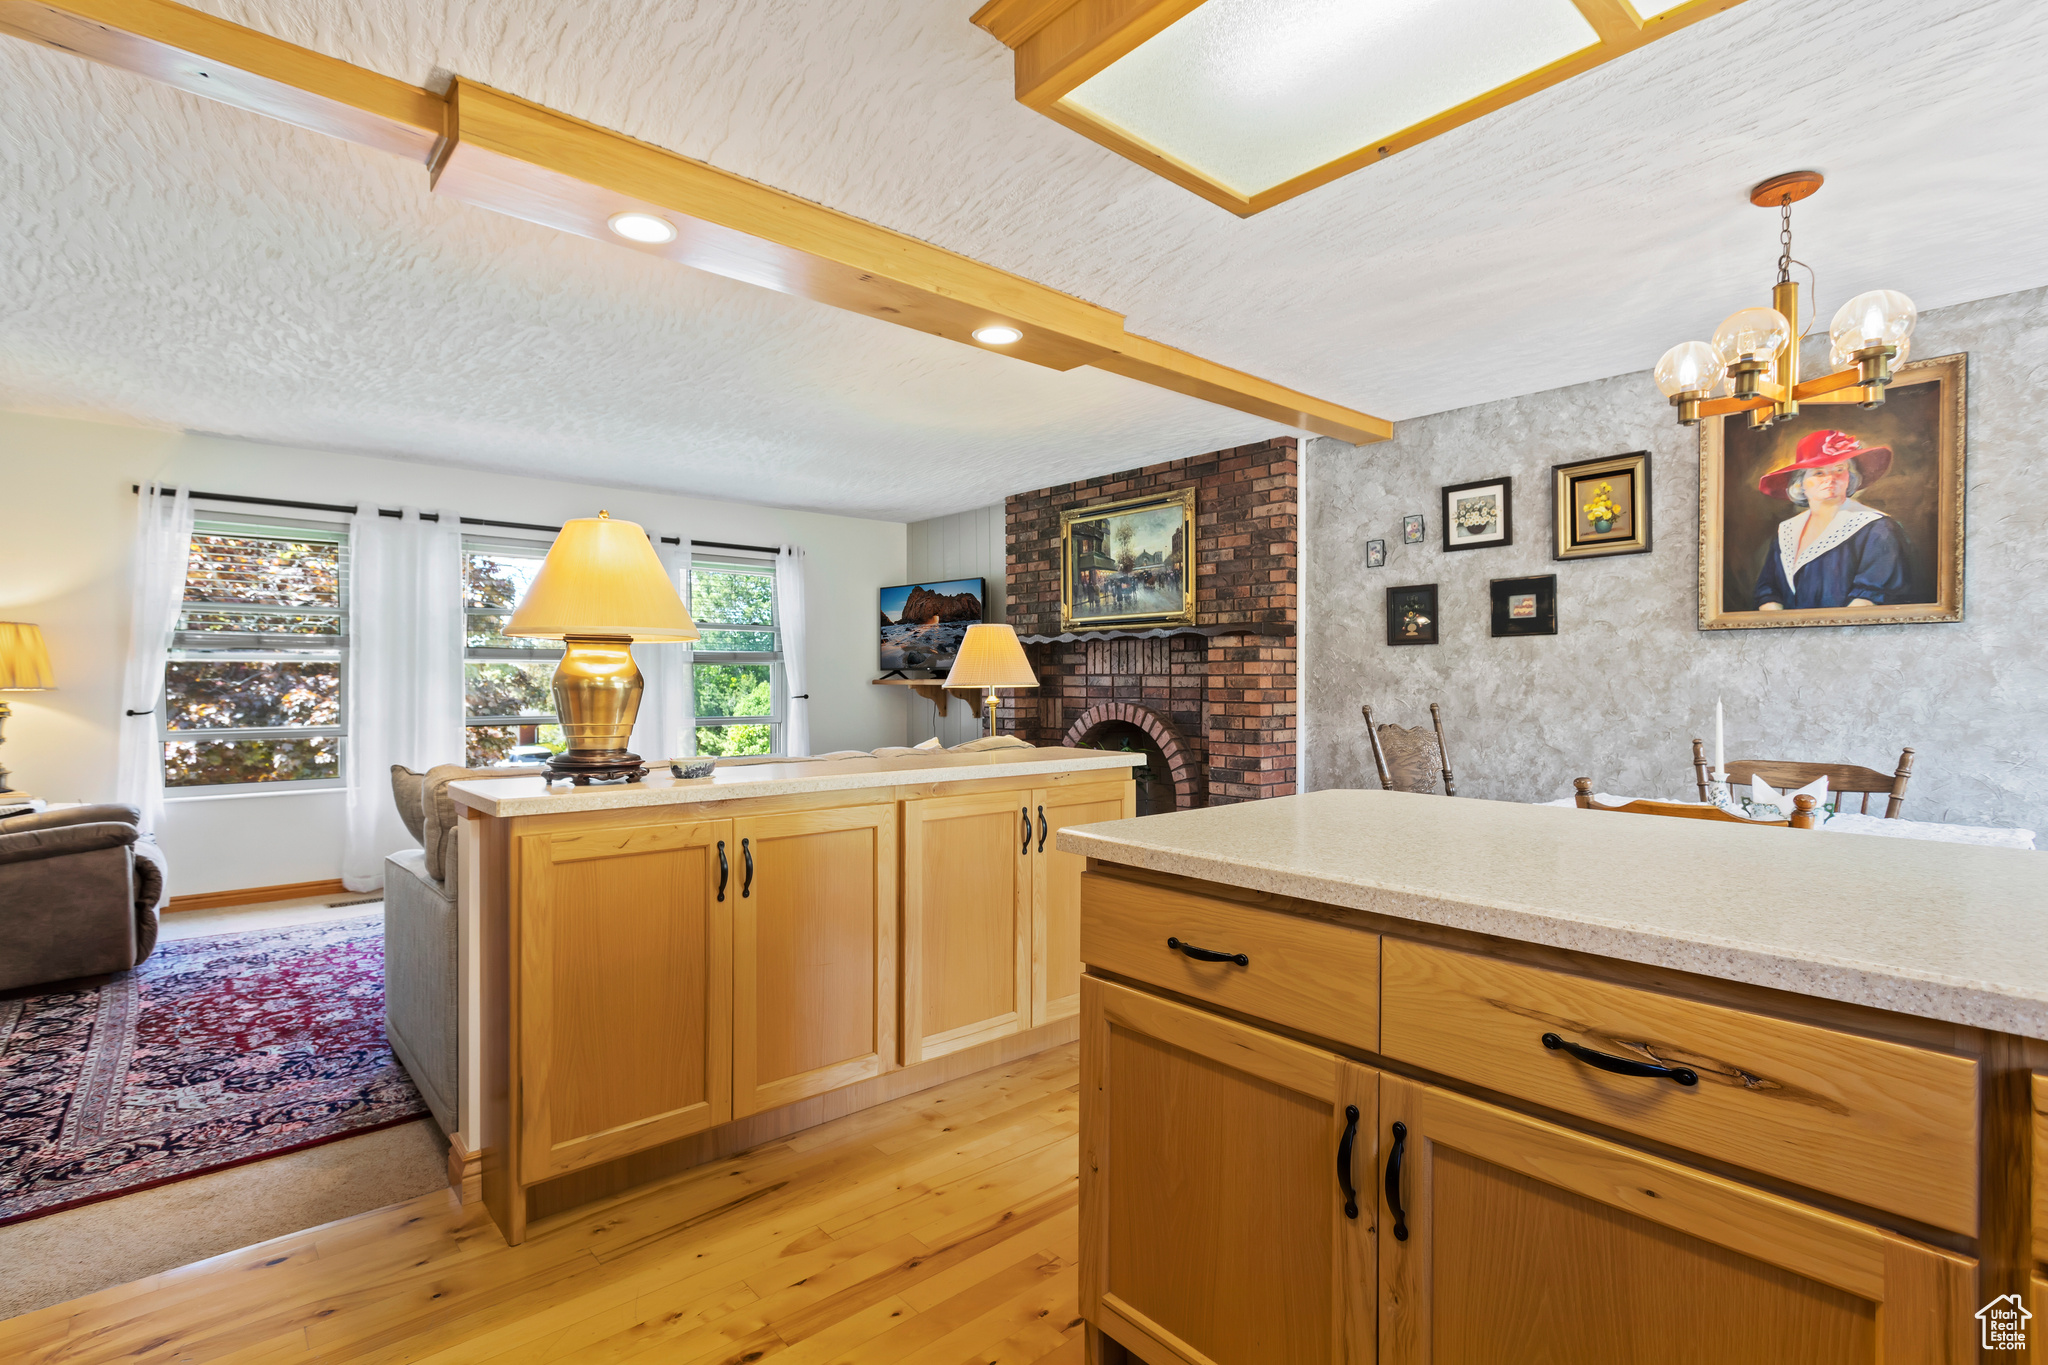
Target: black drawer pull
point(1394, 1182)
point(1027, 830)
point(1206, 955)
point(1344, 1161)
point(1041, 829)
point(747, 852)
point(724, 870)
point(1622, 1066)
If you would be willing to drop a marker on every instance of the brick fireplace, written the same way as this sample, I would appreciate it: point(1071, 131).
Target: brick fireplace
point(1212, 705)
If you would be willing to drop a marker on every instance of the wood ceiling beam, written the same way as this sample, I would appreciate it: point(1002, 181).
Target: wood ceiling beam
point(213, 58)
point(501, 152)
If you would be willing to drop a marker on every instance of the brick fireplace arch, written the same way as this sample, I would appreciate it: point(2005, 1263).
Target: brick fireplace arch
point(1182, 772)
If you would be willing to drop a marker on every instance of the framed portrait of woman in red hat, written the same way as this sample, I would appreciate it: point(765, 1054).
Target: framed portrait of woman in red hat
point(1840, 515)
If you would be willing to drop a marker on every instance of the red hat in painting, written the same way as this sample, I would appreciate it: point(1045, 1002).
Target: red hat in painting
point(1820, 449)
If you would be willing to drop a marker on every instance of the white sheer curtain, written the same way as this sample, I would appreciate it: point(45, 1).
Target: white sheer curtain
point(404, 672)
point(163, 542)
point(667, 726)
point(789, 605)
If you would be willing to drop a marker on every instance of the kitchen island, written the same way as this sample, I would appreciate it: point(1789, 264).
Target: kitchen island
point(1377, 1076)
point(672, 970)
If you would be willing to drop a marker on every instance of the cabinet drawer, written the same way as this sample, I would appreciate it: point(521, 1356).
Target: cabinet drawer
point(1885, 1124)
point(1302, 973)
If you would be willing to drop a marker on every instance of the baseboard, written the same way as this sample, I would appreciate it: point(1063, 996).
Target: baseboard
point(255, 895)
point(465, 1171)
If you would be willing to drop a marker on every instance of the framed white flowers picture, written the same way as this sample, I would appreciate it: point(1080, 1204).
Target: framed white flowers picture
point(1480, 515)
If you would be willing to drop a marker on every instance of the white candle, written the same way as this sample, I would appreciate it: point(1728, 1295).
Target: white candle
point(1720, 767)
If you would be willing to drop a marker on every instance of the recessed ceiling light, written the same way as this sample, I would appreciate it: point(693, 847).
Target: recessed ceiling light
point(997, 336)
point(642, 227)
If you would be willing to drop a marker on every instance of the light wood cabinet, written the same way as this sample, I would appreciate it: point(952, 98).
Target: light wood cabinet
point(1056, 890)
point(1215, 1224)
point(625, 971)
point(966, 920)
point(1521, 1240)
point(814, 952)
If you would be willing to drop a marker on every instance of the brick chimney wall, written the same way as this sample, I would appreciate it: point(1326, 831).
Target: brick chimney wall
point(1231, 696)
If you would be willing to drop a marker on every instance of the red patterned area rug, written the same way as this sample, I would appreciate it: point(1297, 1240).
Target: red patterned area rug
point(215, 1052)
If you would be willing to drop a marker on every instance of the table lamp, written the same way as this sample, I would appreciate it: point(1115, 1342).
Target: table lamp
point(601, 589)
point(991, 656)
point(24, 667)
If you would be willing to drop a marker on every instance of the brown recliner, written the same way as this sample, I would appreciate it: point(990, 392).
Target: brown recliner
point(79, 893)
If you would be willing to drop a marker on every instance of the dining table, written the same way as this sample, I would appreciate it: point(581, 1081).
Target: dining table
point(1850, 822)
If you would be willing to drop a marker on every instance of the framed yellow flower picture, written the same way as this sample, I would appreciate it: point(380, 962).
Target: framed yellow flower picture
point(1602, 507)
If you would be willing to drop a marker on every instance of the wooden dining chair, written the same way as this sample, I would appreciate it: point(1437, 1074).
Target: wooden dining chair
point(1842, 777)
point(1802, 812)
point(1409, 760)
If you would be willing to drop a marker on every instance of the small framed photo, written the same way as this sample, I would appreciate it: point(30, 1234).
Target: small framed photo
point(1478, 516)
point(1411, 615)
point(1375, 554)
point(1411, 530)
point(1602, 507)
point(1525, 606)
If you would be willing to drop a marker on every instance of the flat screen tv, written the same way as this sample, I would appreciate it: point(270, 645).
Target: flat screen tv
point(923, 623)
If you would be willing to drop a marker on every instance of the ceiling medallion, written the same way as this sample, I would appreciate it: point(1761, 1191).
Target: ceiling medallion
point(1752, 364)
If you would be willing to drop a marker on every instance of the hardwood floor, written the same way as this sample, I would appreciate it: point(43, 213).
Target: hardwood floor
point(938, 1229)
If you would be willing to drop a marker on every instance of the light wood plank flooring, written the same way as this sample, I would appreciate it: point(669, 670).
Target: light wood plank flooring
point(939, 1229)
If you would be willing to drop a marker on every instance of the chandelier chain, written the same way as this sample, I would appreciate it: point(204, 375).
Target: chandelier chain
point(1785, 240)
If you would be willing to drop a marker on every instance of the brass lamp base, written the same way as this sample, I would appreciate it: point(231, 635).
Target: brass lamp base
point(597, 695)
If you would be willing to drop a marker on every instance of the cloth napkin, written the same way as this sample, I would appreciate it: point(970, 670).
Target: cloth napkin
point(1764, 797)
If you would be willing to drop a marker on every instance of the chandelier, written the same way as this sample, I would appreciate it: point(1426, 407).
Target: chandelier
point(1752, 364)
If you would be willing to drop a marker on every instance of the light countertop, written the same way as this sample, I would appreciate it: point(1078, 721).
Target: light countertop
point(1943, 931)
point(530, 795)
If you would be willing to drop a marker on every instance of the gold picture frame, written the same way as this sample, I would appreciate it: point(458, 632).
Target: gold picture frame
point(1616, 484)
point(1128, 564)
point(1918, 490)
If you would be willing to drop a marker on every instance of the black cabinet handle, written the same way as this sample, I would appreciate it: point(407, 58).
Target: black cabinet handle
point(1041, 829)
point(1622, 1066)
point(1207, 955)
point(747, 852)
point(1394, 1182)
point(724, 870)
point(1344, 1161)
point(1026, 813)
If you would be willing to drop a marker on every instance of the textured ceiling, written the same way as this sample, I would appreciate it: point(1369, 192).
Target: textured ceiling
point(174, 262)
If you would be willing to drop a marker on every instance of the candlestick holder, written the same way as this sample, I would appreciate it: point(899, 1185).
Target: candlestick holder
point(1718, 792)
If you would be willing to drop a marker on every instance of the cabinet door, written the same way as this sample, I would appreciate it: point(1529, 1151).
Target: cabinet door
point(814, 952)
point(1214, 1164)
point(1056, 890)
point(966, 921)
point(625, 980)
point(1523, 1241)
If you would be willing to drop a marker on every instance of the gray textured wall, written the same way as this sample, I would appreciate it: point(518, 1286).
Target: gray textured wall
point(1629, 679)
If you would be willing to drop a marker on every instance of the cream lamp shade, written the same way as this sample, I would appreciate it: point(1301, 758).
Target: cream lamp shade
point(991, 656)
point(24, 663)
point(602, 578)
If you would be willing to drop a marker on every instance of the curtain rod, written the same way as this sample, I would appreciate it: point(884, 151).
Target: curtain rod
point(435, 516)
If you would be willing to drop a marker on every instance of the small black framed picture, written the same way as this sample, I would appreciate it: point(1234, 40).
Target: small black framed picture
point(1525, 606)
point(1411, 615)
point(1478, 516)
point(1375, 554)
point(1411, 530)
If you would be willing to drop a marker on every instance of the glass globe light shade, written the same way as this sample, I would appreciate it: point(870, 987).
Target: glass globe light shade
point(1839, 359)
point(1882, 317)
point(1752, 334)
point(1689, 367)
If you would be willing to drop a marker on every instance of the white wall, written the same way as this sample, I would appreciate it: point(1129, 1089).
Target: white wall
point(969, 544)
point(69, 517)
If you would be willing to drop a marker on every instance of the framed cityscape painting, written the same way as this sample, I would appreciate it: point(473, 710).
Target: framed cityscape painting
point(1841, 515)
point(1601, 507)
point(1480, 515)
point(1128, 563)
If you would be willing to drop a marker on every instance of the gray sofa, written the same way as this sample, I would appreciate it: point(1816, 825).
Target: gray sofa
point(80, 890)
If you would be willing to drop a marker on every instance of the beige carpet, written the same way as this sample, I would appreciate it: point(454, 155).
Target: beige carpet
point(63, 1255)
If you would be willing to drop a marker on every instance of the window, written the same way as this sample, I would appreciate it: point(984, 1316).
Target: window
point(736, 668)
point(254, 691)
point(507, 694)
